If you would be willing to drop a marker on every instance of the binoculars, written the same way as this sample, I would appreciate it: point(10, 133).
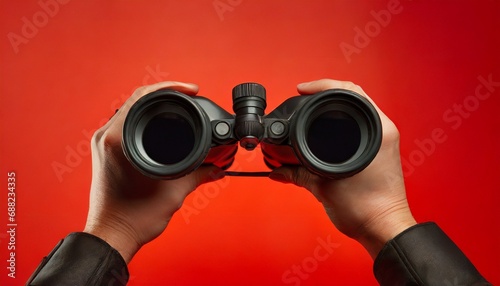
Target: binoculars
point(335, 133)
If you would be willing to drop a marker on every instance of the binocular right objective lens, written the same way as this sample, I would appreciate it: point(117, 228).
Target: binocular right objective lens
point(336, 133)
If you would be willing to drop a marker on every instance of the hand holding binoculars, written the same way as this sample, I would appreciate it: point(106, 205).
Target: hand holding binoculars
point(335, 133)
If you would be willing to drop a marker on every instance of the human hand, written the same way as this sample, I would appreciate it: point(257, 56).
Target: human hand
point(128, 209)
point(371, 206)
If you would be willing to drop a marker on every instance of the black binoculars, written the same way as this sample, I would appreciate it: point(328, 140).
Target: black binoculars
point(335, 133)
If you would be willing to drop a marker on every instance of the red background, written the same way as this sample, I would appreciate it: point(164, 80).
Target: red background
point(87, 57)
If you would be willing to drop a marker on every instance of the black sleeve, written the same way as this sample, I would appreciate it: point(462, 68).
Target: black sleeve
point(81, 259)
point(424, 255)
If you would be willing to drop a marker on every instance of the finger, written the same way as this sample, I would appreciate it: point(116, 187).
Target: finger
point(187, 88)
point(299, 176)
point(183, 87)
point(206, 174)
point(324, 84)
point(118, 119)
point(187, 184)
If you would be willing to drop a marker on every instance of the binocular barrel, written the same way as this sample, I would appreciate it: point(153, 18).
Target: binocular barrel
point(334, 133)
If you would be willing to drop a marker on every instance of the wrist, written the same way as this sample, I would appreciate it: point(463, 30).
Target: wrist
point(116, 238)
point(382, 230)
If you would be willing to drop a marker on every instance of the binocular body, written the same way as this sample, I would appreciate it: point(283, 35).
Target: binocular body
point(334, 133)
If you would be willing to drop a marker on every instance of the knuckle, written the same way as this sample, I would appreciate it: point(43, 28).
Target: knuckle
point(96, 137)
point(108, 140)
point(349, 83)
point(352, 86)
point(391, 133)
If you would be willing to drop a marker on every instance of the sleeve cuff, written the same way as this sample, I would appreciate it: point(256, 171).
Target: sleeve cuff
point(81, 259)
point(424, 255)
